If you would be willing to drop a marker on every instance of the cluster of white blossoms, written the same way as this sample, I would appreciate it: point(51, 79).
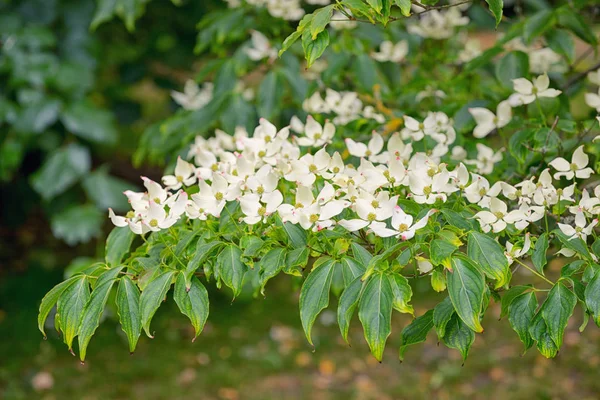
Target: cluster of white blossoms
point(541, 59)
point(526, 92)
point(269, 174)
point(286, 9)
point(438, 24)
point(345, 106)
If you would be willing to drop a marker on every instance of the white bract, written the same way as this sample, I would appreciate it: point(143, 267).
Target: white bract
point(487, 121)
point(527, 92)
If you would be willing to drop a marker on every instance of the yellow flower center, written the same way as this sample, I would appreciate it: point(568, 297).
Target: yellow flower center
point(262, 211)
point(153, 223)
point(403, 228)
point(371, 217)
point(314, 218)
point(219, 196)
point(179, 178)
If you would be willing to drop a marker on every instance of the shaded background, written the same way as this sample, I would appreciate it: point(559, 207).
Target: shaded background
point(74, 104)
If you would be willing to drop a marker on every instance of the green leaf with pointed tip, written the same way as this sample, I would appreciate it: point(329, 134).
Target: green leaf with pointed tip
point(509, 296)
point(441, 250)
point(231, 268)
point(347, 304)
point(296, 260)
point(539, 253)
point(539, 332)
point(296, 235)
point(320, 19)
point(50, 300)
point(289, 41)
point(442, 313)
point(152, 296)
point(466, 286)
point(70, 308)
point(520, 314)
point(314, 48)
point(358, 7)
point(496, 9)
point(513, 65)
point(458, 336)
point(314, 295)
point(537, 24)
point(128, 308)
point(402, 293)
point(375, 312)
point(556, 311)
point(203, 251)
point(571, 20)
point(376, 4)
point(90, 318)
point(405, 7)
point(192, 303)
point(270, 265)
point(575, 244)
point(416, 332)
point(117, 245)
point(562, 43)
point(592, 297)
point(489, 256)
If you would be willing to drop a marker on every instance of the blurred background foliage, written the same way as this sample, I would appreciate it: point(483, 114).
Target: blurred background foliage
point(85, 108)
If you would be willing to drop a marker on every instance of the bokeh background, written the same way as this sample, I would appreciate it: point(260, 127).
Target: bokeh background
point(80, 112)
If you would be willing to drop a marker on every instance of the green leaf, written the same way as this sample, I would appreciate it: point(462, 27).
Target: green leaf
point(571, 268)
point(440, 251)
point(561, 42)
point(496, 9)
point(50, 300)
point(38, 117)
point(416, 332)
point(376, 4)
point(203, 251)
point(289, 41)
point(296, 260)
point(466, 286)
point(320, 19)
point(193, 302)
point(231, 268)
point(93, 309)
point(405, 7)
point(539, 253)
point(572, 21)
point(90, 123)
point(402, 293)
point(520, 314)
point(77, 224)
point(358, 7)
point(575, 244)
point(269, 95)
point(539, 332)
point(375, 312)
point(556, 311)
point(347, 304)
point(117, 245)
point(458, 336)
point(314, 295)
point(128, 308)
point(296, 235)
point(152, 296)
point(270, 265)
point(538, 24)
point(361, 254)
point(517, 144)
point(351, 269)
point(592, 297)
point(70, 307)
point(513, 65)
point(489, 256)
point(483, 59)
point(106, 191)
point(61, 170)
point(314, 48)
point(510, 295)
point(442, 313)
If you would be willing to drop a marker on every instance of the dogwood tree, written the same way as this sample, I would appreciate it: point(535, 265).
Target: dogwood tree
point(397, 151)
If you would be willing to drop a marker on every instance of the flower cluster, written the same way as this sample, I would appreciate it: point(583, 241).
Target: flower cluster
point(268, 173)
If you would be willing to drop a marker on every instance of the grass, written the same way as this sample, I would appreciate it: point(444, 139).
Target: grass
point(255, 349)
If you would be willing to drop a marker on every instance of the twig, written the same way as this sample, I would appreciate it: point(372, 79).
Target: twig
point(534, 272)
point(580, 76)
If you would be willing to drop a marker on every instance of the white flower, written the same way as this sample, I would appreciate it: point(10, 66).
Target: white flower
point(517, 251)
point(594, 77)
point(389, 51)
point(545, 60)
point(593, 100)
point(212, 198)
point(498, 217)
point(580, 230)
point(261, 48)
point(193, 98)
point(414, 129)
point(316, 135)
point(424, 265)
point(486, 159)
point(157, 218)
point(575, 169)
point(402, 225)
point(528, 91)
point(369, 210)
point(471, 49)
point(487, 121)
point(480, 192)
point(586, 204)
point(258, 207)
point(370, 150)
point(184, 175)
